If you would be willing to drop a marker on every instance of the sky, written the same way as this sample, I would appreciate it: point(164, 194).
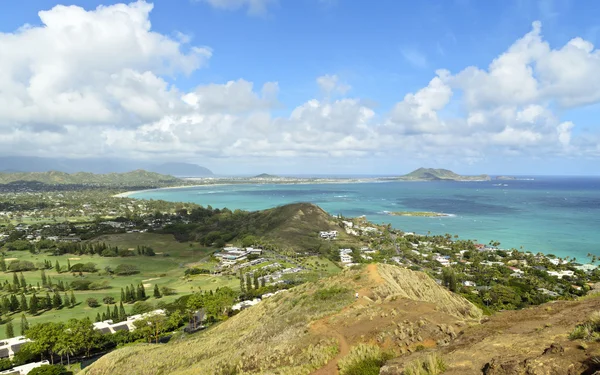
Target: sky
point(306, 86)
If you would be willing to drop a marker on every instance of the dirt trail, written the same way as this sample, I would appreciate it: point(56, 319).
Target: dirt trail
point(322, 327)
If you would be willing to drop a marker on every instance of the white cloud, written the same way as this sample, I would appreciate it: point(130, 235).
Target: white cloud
point(331, 84)
point(97, 82)
point(255, 7)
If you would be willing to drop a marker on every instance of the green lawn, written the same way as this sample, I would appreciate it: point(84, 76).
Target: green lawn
point(165, 269)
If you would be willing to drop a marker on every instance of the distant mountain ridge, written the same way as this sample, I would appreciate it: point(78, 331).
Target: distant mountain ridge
point(432, 174)
point(181, 170)
point(98, 166)
point(133, 178)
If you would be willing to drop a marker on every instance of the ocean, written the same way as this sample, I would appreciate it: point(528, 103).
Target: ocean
point(552, 215)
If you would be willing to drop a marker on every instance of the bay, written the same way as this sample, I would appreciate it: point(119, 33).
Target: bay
point(558, 215)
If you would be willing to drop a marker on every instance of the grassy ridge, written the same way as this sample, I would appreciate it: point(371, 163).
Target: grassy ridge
point(133, 178)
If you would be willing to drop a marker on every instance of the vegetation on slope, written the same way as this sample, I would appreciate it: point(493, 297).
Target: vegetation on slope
point(431, 174)
point(290, 227)
point(281, 332)
point(271, 335)
point(133, 178)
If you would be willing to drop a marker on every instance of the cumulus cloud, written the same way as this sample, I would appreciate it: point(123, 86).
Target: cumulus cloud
point(331, 84)
point(98, 82)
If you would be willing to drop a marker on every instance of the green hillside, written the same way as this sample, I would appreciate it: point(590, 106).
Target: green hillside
point(133, 178)
point(432, 174)
point(290, 227)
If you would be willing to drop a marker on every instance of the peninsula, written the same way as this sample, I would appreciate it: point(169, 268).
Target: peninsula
point(431, 174)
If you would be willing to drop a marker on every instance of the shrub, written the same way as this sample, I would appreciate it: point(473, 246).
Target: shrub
point(108, 300)
point(80, 284)
point(166, 291)
point(363, 359)
point(99, 285)
point(588, 330)
point(49, 370)
point(329, 293)
point(433, 364)
point(141, 307)
point(92, 302)
point(126, 269)
point(196, 271)
point(81, 267)
point(20, 265)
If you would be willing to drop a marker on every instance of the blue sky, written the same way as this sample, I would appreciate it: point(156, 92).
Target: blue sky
point(355, 119)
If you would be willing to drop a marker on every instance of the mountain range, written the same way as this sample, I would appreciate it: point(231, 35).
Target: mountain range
point(11, 164)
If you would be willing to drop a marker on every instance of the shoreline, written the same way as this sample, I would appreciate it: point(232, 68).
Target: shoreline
point(126, 194)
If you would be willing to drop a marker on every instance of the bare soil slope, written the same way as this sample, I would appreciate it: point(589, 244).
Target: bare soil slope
point(526, 342)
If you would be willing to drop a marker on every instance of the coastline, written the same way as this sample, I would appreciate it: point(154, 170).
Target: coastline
point(126, 194)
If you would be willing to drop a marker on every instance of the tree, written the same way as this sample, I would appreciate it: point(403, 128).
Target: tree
point(48, 301)
point(122, 313)
point(23, 305)
point(123, 295)
point(156, 291)
point(56, 300)
point(24, 324)
point(255, 279)
point(68, 265)
point(44, 280)
point(33, 305)
point(57, 267)
point(92, 302)
point(10, 330)
point(98, 317)
point(73, 300)
point(22, 280)
point(2, 264)
point(16, 281)
point(449, 279)
point(45, 337)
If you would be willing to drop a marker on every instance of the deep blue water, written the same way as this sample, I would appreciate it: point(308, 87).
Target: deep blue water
point(559, 215)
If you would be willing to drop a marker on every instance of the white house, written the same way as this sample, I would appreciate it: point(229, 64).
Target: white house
point(24, 369)
point(345, 258)
point(561, 274)
point(9, 347)
point(245, 304)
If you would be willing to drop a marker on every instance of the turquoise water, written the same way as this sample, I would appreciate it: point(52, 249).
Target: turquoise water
point(550, 215)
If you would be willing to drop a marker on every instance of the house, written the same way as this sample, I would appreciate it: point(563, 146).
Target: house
point(9, 347)
point(561, 274)
point(328, 234)
point(443, 260)
point(469, 284)
point(245, 304)
point(345, 258)
point(195, 322)
point(108, 326)
point(548, 292)
point(24, 369)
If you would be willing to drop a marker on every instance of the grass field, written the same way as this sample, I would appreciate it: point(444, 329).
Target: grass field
point(165, 269)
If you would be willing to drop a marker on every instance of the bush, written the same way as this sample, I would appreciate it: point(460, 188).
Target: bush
point(99, 285)
point(588, 330)
point(141, 307)
point(433, 364)
point(363, 359)
point(49, 370)
point(81, 267)
point(166, 291)
point(329, 293)
point(196, 271)
point(126, 269)
point(92, 302)
point(20, 265)
point(108, 300)
point(80, 284)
